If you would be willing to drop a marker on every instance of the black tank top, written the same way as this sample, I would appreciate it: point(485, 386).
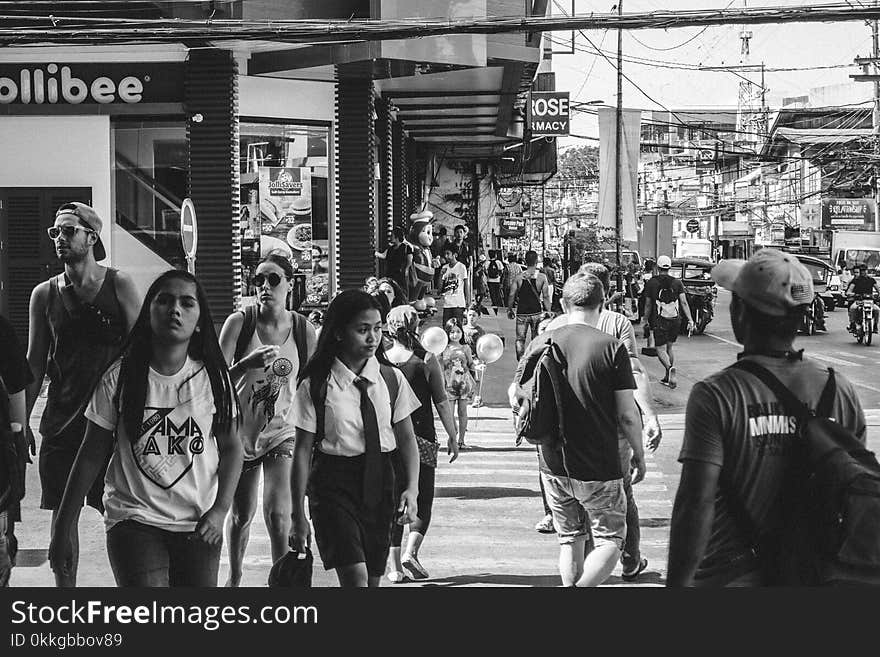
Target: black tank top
point(416, 372)
point(83, 339)
point(527, 301)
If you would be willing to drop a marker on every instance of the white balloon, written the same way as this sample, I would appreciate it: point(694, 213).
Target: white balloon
point(435, 340)
point(489, 348)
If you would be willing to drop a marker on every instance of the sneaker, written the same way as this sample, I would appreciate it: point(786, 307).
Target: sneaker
point(416, 570)
point(545, 525)
point(630, 575)
point(477, 402)
point(671, 382)
point(397, 577)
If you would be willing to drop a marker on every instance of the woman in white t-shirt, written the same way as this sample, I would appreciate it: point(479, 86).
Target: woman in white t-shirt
point(352, 413)
point(164, 413)
point(265, 374)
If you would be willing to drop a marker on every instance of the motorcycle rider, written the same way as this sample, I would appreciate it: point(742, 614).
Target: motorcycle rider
point(862, 285)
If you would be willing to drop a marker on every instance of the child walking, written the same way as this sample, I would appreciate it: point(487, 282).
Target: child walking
point(459, 372)
point(423, 372)
point(165, 415)
point(266, 346)
point(352, 409)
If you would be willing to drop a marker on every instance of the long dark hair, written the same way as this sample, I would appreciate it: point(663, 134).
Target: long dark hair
point(342, 310)
point(137, 351)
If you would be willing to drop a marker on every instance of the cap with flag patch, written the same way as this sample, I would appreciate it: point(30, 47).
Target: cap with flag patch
point(771, 281)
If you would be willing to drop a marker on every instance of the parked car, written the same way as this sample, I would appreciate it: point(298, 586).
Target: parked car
point(700, 290)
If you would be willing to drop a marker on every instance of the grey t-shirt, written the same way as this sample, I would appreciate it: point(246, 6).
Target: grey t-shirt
point(735, 422)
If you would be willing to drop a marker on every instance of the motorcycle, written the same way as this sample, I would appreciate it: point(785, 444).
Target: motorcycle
point(814, 318)
point(702, 304)
point(863, 327)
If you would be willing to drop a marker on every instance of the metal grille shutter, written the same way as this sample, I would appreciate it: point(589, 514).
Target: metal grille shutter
point(355, 164)
point(30, 253)
point(399, 203)
point(386, 153)
point(213, 184)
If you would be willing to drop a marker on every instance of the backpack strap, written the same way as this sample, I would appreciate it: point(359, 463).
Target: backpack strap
point(249, 325)
point(826, 401)
point(390, 377)
point(786, 396)
point(318, 391)
point(300, 337)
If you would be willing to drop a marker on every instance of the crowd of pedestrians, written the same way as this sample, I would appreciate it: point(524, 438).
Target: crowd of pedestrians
point(167, 428)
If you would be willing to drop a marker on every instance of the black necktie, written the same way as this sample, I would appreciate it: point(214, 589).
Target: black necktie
point(373, 450)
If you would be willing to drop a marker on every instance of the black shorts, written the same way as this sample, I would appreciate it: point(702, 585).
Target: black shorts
point(665, 330)
point(346, 531)
point(57, 454)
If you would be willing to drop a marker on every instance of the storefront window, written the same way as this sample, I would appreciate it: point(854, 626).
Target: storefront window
point(285, 204)
point(150, 171)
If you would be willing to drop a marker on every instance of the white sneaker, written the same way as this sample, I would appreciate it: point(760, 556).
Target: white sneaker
point(411, 564)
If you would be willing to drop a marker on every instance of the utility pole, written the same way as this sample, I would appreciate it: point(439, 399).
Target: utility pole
point(618, 192)
point(871, 74)
point(876, 123)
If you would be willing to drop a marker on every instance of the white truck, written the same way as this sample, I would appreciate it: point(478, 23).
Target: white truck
point(855, 247)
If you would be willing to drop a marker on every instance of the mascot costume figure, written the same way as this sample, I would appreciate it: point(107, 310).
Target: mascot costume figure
point(419, 238)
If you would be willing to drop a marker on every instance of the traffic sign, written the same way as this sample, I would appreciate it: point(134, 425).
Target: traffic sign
point(189, 232)
point(693, 226)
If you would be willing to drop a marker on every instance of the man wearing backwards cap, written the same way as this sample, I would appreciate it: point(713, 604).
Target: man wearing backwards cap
point(78, 320)
point(737, 431)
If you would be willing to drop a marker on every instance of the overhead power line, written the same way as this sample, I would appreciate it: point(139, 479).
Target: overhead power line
point(71, 29)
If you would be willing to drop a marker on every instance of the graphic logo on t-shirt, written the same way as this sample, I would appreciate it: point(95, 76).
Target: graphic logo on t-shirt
point(450, 283)
point(770, 427)
point(169, 442)
point(264, 392)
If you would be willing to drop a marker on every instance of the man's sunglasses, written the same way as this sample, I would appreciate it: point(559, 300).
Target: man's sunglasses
point(273, 278)
point(67, 231)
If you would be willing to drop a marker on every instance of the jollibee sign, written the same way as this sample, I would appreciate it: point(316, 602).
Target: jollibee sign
point(70, 83)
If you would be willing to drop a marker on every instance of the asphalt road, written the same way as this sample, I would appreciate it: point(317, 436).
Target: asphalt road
point(488, 501)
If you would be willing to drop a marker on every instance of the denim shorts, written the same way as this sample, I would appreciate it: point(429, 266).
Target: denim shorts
point(580, 508)
point(283, 450)
point(146, 556)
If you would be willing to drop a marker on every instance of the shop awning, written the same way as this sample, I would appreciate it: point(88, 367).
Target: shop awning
point(472, 108)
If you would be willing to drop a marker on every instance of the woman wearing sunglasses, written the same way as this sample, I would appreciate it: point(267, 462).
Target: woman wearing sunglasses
point(265, 346)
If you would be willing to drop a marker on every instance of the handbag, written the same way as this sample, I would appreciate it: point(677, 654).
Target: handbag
point(428, 450)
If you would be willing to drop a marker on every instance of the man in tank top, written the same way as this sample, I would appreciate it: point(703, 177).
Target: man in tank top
point(78, 321)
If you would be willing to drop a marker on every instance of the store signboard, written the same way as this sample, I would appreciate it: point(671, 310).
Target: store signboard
point(811, 216)
point(511, 224)
point(78, 83)
point(549, 113)
point(848, 213)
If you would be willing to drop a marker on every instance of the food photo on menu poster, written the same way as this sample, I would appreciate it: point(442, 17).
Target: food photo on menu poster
point(285, 200)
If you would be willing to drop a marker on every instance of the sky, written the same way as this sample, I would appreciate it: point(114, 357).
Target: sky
point(590, 77)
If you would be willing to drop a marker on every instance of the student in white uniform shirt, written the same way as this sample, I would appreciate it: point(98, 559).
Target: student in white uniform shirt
point(264, 373)
point(360, 421)
point(164, 413)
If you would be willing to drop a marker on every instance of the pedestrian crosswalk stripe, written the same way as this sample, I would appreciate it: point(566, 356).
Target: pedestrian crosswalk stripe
point(833, 360)
point(846, 354)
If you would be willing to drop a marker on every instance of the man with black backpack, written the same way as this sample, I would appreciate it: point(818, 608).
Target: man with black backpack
point(767, 484)
point(665, 303)
point(575, 398)
point(528, 302)
point(494, 272)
